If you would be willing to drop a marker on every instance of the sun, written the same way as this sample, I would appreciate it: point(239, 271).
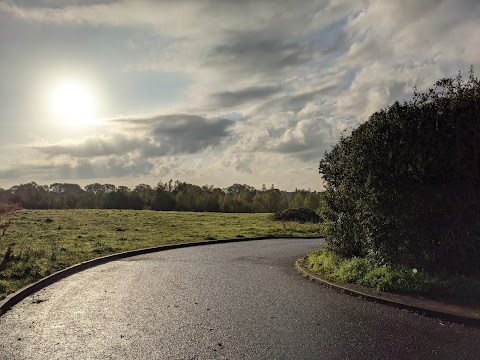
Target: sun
point(72, 101)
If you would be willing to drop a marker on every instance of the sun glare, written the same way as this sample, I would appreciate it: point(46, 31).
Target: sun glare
point(72, 102)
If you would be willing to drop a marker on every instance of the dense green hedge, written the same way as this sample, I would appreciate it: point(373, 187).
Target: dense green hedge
point(404, 186)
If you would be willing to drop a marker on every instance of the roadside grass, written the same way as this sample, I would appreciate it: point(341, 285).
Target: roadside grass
point(45, 241)
point(390, 278)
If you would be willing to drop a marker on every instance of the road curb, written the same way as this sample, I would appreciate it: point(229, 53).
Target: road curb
point(28, 290)
point(464, 320)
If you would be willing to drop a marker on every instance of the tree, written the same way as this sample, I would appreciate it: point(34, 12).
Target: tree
point(97, 188)
point(66, 188)
point(271, 200)
point(311, 201)
point(145, 192)
point(237, 198)
point(237, 189)
point(298, 200)
point(122, 198)
point(64, 195)
point(209, 199)
point(404, 186)
point(29, 196)
point(162, 198)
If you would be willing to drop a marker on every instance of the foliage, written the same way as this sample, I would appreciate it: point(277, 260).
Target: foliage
point(270, 200)
point(4, 225)
point(49, 240)
point(6, 208)
point(403, 188)
point(178, 195)
point(388, 277)
point(9, 207)
point(300, 214)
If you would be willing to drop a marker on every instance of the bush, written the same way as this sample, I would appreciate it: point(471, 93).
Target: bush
point(388, 277)
point(19, 270)
point(301, 214)
point(9, 207)
point(5, 286)
point(403, 188)
point(4, 225)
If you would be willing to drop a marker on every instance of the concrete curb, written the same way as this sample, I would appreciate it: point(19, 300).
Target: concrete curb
point(28, 290)
point(464, 320)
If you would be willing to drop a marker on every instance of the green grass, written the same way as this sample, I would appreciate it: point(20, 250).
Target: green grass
point(46, 241)
point(362, 271)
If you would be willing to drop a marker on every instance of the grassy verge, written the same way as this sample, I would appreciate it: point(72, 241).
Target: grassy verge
point(45, 241)
point(396, 279)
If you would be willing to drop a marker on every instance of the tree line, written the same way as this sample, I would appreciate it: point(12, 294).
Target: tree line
point(168, 196)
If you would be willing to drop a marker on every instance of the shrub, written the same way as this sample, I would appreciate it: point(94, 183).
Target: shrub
point(300, 214)
point(9, 207)
point(403, 188)
point(323, 262)
point(5, 286)
point(354, 270)
point(387, 277)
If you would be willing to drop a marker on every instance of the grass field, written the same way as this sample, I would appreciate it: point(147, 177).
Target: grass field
point(45, 241)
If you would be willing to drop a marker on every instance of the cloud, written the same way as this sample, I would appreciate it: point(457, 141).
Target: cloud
point(393, 46)
point(162, 135)
point(239, 97)
point(304, 134)
point(181, 18)
point(114, 14)
point(152, 149)
point(80, 169)
point(244, 163)
point(297, 76)
point(117, 144)
point(181, 133)
point(104, 168)
point(253, 52)
point(256, 36)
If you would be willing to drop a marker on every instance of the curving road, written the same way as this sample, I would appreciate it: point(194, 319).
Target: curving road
point(226, 301)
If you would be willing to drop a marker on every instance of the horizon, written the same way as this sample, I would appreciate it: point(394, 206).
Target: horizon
point(212, 92)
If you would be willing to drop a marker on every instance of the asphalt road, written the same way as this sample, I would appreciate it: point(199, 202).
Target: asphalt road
point(226, 301)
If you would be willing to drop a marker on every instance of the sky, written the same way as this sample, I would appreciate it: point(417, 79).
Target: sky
point(210, 92)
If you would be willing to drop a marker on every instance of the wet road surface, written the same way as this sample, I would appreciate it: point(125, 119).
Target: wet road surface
point(226, 301)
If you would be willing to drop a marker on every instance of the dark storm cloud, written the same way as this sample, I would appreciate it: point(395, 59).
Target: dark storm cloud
point(239, 97)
